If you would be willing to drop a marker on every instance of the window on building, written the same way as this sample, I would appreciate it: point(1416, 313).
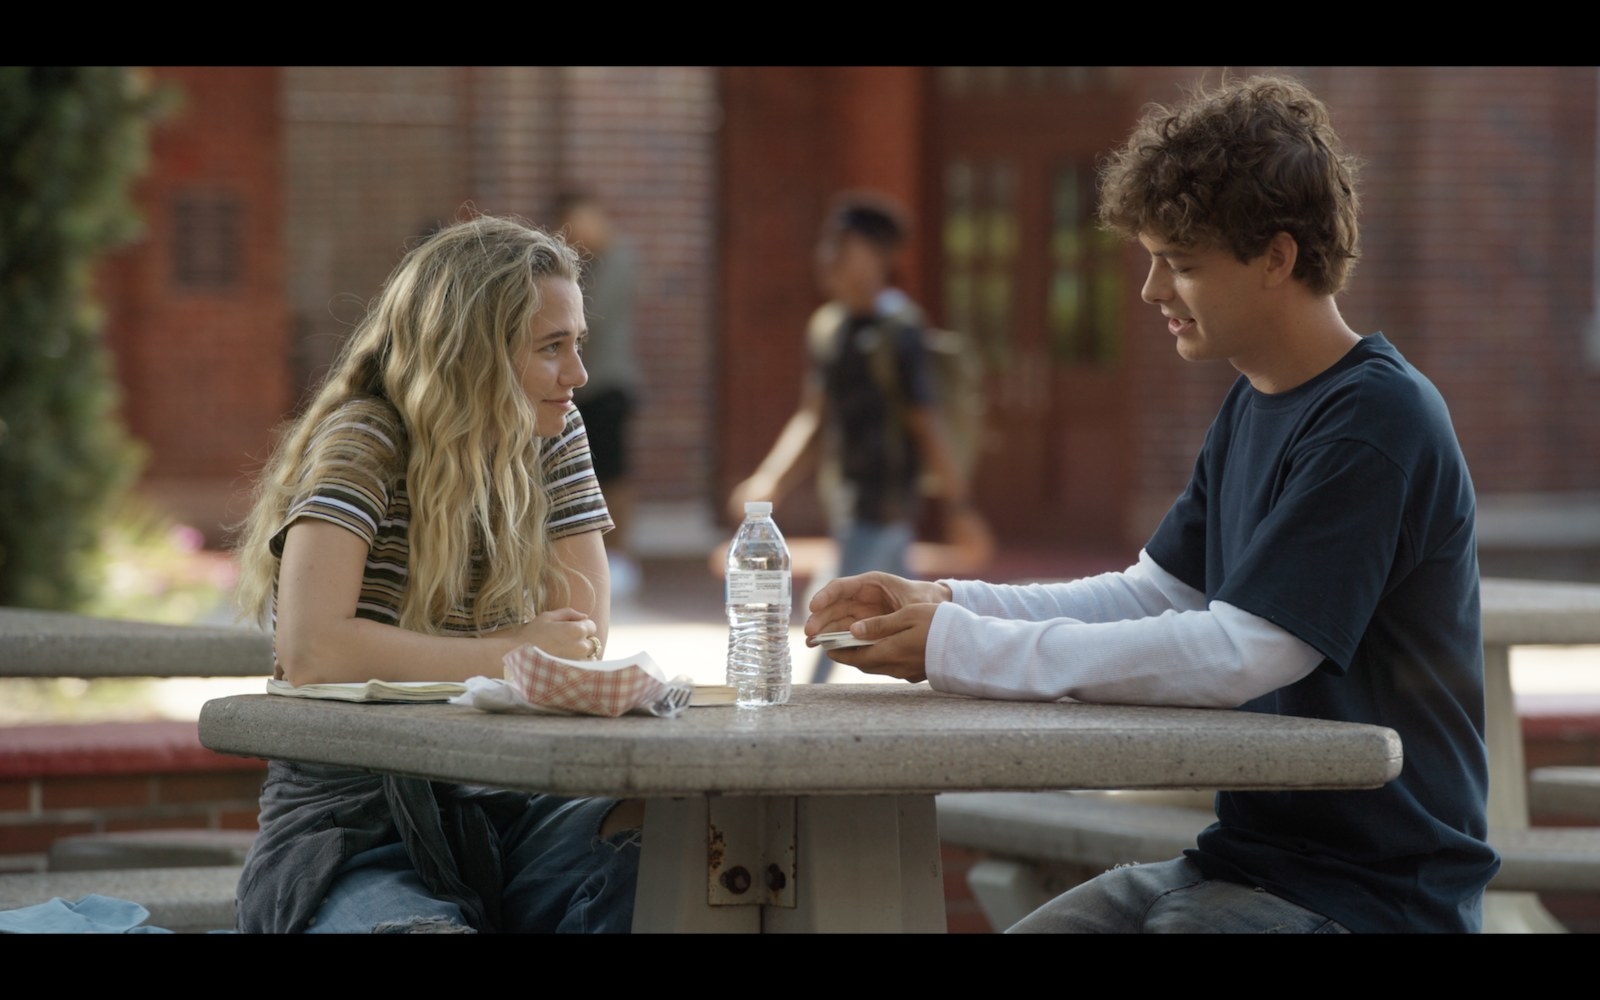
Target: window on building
point(1085, 291)
point(980, 253)
point(207, 240)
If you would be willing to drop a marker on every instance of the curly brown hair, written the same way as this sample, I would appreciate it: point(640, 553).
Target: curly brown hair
point(1233, 167)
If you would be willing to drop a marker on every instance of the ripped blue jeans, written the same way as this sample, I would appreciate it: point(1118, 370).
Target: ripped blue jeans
point(561, 876)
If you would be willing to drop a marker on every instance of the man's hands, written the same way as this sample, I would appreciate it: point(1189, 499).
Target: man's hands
point(894, 612)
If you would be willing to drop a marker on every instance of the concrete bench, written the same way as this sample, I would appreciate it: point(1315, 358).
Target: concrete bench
point(58, 644)
point(1565, 791)
point(150, 849)
point(1547, 859)
point(186, 878)
point(1088, 829)
point(1043, 842)
point(1039, 844)
point(186, 900)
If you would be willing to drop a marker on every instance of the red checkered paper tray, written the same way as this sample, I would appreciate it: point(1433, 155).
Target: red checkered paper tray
point(537, 681)
point(540, 682)
point(584, 687)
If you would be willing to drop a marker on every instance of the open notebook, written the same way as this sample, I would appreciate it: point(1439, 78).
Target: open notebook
point(536, 679)
point(373, 690)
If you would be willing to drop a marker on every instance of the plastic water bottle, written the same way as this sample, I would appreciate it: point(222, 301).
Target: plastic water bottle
point(760, 585)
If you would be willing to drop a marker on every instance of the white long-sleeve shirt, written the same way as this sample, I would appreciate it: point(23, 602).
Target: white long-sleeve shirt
point(1141, 636)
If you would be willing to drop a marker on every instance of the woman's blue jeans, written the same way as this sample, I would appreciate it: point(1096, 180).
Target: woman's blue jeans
point(561, 876)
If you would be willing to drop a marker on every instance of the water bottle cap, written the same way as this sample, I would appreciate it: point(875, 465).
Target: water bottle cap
point(760, 508)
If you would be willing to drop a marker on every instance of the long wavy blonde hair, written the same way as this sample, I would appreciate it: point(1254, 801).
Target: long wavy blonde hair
point(441, 344)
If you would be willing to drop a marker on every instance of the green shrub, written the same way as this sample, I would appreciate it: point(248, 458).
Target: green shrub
point(74, 138)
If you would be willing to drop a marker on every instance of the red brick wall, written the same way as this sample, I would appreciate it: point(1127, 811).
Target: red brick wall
point(338, 167)
point(58, 781)
point(792, 138)
point(205, 372)
point(378, 154)
point(643, 139)
point(1478, 235)
point(1478, 231)
point(1480, 245)
point(776, 175)
point(374, 156)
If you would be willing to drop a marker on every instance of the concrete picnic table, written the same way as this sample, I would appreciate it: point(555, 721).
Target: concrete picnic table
point(817, 815)
point(1522, 613)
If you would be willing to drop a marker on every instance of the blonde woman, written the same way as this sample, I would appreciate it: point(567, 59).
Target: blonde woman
point(433, 510)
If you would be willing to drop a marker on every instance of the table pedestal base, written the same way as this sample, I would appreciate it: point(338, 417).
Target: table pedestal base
point(862, 864)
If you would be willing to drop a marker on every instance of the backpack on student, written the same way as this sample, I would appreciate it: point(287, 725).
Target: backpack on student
point(954, 361)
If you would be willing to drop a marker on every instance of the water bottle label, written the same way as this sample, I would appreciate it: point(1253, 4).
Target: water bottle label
point(758, 586)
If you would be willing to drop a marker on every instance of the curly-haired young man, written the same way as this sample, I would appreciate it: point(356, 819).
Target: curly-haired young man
point(1322, 561)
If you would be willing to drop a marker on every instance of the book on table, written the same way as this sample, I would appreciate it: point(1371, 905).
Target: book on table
point(602, 687)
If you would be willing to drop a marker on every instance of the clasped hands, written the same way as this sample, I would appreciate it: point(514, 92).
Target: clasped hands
point(564, 632)
point(894, 612)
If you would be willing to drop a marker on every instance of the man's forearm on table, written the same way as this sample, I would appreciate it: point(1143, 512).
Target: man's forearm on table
point(1140, 591)
point(1220, 657)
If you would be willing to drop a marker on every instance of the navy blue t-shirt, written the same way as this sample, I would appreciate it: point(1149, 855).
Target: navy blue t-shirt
point(1343, 512)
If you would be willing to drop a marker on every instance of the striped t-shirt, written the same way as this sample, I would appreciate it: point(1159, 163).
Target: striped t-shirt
point(363, 446)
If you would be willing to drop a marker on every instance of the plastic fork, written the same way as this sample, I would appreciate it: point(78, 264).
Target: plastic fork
point(674, 698)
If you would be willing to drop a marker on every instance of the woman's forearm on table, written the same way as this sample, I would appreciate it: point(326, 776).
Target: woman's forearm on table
point(357, 649)
point(319, 639)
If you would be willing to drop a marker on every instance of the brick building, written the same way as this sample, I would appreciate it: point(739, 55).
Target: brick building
point(281, 196)
point(299, 188)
